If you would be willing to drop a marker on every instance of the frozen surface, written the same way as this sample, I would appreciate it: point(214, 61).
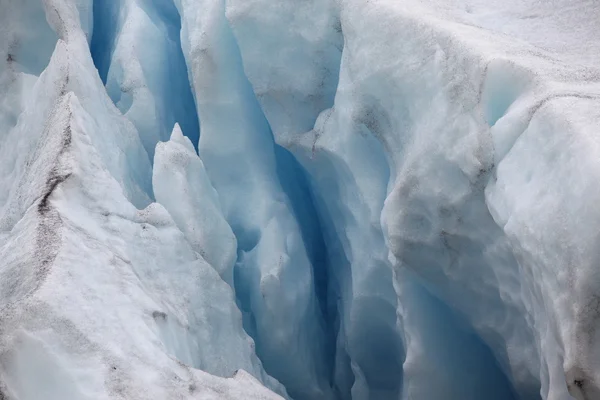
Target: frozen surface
point(350, 199)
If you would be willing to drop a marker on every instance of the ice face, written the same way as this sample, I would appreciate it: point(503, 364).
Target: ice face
point(328, 200)
point(294, 83)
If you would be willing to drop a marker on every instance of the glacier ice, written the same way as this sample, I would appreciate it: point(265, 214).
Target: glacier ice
point(140, 77)
point(75, 246)
point(182, 186)
point(349, 199)
point(273, 276)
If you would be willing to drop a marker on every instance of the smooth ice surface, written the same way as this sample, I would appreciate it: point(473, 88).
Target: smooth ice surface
point(350, 199)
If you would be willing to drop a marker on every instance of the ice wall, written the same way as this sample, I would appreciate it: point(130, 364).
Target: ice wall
point(432, 99)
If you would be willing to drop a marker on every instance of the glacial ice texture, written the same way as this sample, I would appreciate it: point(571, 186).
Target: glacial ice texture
point(317, 199)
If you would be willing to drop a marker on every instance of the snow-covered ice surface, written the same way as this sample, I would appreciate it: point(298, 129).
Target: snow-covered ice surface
point(325, 199)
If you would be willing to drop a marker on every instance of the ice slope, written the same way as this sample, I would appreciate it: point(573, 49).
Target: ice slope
point(101, 295)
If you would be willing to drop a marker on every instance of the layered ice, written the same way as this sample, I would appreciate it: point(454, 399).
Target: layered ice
point(324, 200)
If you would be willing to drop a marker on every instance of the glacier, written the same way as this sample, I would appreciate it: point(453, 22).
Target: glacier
point(325, 199)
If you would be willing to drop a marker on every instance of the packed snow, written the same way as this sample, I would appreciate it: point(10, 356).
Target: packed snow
point(326, 199)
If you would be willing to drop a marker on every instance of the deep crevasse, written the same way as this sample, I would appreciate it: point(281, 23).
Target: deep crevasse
point(382, 199)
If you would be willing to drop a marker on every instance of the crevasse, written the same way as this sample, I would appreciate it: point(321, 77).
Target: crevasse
point(360, 302)
point(311, 200)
